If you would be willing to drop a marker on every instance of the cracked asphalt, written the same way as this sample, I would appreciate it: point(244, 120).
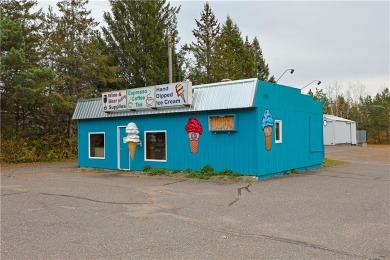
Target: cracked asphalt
point(59, 211)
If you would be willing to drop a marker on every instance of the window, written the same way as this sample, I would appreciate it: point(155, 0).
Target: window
point(278, 131)
point(156, 146)
point(96, 145)
point(222, 123)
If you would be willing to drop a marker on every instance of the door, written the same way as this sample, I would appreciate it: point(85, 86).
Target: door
point(123, 150)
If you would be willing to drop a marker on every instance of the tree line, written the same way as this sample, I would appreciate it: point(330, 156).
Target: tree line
point(371, 113)
point(51, 59)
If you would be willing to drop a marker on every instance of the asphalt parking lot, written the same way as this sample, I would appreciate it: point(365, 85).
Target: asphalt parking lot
point(59, 211)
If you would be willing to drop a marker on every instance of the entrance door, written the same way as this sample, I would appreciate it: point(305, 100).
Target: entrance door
point(123, 150)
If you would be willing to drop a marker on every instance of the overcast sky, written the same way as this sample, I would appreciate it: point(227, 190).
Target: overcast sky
point(347, 42)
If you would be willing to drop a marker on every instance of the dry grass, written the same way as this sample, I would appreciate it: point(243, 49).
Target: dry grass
point(330, 162)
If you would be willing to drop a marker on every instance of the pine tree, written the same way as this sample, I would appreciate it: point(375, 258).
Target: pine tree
point(202, 50)
point(231, 59)
point(261, 67)
point(23, 78)
point(250, 68)
point(30, 22)
point(137, 37)
point(72, 39)
point(320, 95)
point(74, 51)
point(47, 63)
point(380, 114)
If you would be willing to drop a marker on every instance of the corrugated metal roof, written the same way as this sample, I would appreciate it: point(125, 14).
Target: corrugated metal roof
point(336, 118)
point(215, 96)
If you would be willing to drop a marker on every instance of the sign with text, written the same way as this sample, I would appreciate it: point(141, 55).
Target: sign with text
point(168, 95)
point(114, 101)
point(139, 98)
point(221, 123)
point(174, 94)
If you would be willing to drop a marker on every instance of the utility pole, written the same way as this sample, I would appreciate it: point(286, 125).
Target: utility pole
point(170, 57)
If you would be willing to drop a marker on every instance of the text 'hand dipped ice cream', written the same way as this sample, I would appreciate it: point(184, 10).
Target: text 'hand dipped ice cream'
point(194, 130)
point(132, 138)
point(267, 124)
point(180, 91)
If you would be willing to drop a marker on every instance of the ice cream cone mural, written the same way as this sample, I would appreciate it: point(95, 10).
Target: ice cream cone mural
point(267, 124)
point(132, 138)
point(194, 130)
point(180, 91)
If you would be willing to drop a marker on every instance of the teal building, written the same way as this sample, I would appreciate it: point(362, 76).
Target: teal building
point(249, 126)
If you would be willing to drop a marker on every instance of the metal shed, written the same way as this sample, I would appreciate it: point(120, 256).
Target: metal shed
point(338, 130)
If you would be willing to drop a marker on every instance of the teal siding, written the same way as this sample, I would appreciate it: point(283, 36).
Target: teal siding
point(242, 151)
point(302, 141)
point(221, 150)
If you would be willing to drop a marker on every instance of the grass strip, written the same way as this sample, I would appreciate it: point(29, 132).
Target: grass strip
point(330, 162)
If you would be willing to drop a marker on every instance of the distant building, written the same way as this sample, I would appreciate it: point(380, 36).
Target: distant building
point(338, 130)
point(247, 126)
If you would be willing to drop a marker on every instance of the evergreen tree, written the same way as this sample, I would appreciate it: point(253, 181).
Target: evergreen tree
point(380, 115)
point(341, 107)
point(137, 37)
point(231, 59)
point(321, 96)
point(261, 67)
point(31, 24)
point(76, 54)
point(250, 66)
point(202, 50)
point(23, 78)
point(47, 63)
point(364, 106)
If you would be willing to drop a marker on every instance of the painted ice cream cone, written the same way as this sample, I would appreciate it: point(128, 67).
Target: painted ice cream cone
point(194, 130)
point(132, 138)
point(180, 91)
point(182, 97)
point(268, 137)
point(267, 124)
point(194, 141)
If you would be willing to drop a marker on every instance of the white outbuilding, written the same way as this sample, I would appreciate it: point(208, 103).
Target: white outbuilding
point(338, 130)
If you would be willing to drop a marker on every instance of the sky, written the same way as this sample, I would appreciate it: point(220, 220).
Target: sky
point(343, 44)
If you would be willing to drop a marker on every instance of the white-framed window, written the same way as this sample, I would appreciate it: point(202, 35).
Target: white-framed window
point(96, 145)
point(278, 131)
point(155, 145)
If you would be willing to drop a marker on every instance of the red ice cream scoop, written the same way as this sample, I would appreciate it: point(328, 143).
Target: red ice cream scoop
point(193, 125)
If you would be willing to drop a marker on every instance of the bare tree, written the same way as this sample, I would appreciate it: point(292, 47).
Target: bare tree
point(355, 91)
point(333, 91)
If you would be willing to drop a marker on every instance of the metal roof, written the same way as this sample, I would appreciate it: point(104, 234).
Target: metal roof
point(336, 118)
point(215, 96)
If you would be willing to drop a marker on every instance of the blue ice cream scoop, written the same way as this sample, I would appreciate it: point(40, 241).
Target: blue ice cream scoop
point(267, 119)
